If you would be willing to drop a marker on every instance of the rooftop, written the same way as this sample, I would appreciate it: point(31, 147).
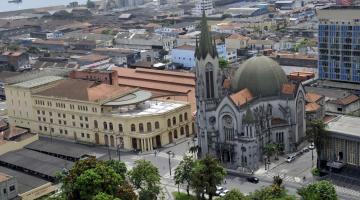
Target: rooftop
point(346, 125)
point(242, 97)
point(186, 47)
point(151, 108)
point(38, 81)
point(312, 107)
point(83, 90)
point(4, 177)
point(346, 100)
point(92, 58)
point(312, 97)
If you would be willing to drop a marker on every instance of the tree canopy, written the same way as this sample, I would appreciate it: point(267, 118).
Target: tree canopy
point(317, 134)
point(322, 190)
point(234, 195)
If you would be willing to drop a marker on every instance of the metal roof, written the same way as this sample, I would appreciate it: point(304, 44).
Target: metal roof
point(57, 148)
point(346, 125)
point(133, 98)
point(38, 81)
point(35, 161)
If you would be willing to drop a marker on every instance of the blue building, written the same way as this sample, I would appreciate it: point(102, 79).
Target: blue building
point(339, 44)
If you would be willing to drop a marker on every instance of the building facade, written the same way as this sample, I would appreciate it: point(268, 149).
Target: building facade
point(237, 118)
point(339, 44)
point(8, 187)
point(206, 6)
point(100, 114)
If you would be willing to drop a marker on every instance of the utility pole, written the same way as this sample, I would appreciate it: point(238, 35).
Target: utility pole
point(109, 152)
point(118, 150)
point(170, 153)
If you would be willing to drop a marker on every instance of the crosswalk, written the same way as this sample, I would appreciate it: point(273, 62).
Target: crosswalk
point(165, 155)
point(284, 177)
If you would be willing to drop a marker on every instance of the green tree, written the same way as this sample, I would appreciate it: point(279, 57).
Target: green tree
point(269, 150)
point(118, 167)
point(234, 195)
point(90, 4)
point(183, 172)
point(145, 177)
point(317, 134)
point(223, 64)
point(104, 196)
point(277, 180)
point(206, 175)
point(273, 192)
point(126, 192)
point(322, 190)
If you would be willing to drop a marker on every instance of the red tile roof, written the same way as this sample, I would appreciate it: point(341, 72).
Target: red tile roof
point(288, 88)
point(346, 100)
point(312, 107)
point(242, 97)
point(312, 97)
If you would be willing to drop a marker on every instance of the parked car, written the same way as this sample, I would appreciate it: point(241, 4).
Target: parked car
point(224, 192)
point(252, 179)
point(312, 146)
point(289, 159)
point(305, 150)
point(219, 190)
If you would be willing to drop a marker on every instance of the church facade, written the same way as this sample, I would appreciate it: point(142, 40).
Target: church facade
point(238, 116)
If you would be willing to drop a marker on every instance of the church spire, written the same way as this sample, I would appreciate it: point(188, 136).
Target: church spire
point(205, 45)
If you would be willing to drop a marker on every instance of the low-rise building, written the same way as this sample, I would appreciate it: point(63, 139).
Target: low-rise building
point(45, 35)
point(344, 105)
point(236, 41)
point(8, 187)
point(51, 45)
point(103, 76)
point(14, 60)
point(184, 55)
point(314, 107)
point(120, 56)
point(93, 113)
point(342, 146)
point(176, 29)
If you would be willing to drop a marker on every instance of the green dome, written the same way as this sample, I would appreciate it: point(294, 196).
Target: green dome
point(261, 75)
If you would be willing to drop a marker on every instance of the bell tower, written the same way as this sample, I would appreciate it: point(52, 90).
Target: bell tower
point(209, 80)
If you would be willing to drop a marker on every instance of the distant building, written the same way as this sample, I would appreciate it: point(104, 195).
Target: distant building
point(10, 32)
point(46, 35)
point(201, 6)
point(343, 2)
point(315, 107)
point(177, 29)
point(8, 187)
point(339, 44)
point(236, 41)
point(103, 76)
point(345, 105)
point(58, 46)
point(184, 55)
point(120, 56)
point(284, 5)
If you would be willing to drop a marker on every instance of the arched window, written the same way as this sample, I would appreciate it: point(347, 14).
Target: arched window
point(95, 124)
point(148, 126)
point(157, 125)
point(120, 128)
point(133, 129)
point(111, 126)
point(209, 81)
point(169, 122)
point(185, 116)
point(106, 138)
point(182, 131)
point(180, 118)
point(141, 127)
point(174, 120)
point(175, 134)
point(105, 126)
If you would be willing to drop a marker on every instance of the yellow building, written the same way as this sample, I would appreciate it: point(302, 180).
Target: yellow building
point(102, 114)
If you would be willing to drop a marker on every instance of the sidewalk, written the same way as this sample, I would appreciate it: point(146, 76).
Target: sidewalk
point(273, 164)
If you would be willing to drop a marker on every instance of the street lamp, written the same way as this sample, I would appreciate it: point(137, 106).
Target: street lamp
point(173, 154)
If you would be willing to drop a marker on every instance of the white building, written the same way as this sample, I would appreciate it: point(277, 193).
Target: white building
point(201, 6)
point(184, 55)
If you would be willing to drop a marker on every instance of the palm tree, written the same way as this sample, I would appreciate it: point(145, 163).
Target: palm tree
point(276, 150)
point(317, 134)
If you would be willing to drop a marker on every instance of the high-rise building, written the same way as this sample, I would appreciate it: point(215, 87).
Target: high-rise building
point(339, 43)
point(201, 6)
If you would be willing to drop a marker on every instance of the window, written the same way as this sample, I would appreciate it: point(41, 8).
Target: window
point(133, 129)
point(51, 120)
point(169, 122)
point(180, 118)
point(50, 113)
point(157, 125)
point(4, 190)
point(51, 130)
point(95, 124)
point(66, 132)
point(105, 125)
point(73, 117)
point(39, 119)
point(88, 135)
point(185, 116)
point(209, 81)
point(38, 112)
point(45, 128)
point(81, 118)
point(81, 125)
point(141, 127)
point(111, 126)
point(74, 124)
point(86, 118)
point(64, 122)
point(64, 116)
point(40, 128)
point(120, 128)
point(174, 120)
point(82, 134)
point(61, 131)
point(148, 126)
point(87, 125)
point(59, 121)
point(59, 115)
point(43, 112)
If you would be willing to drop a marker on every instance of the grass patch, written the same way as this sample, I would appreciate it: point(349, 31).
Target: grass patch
point(182, 196)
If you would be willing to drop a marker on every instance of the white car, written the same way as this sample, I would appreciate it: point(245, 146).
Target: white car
point(224, 192)
point(289, 159)
point(312, 146)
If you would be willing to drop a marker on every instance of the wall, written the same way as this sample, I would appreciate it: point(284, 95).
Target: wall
point(5, 185)
point(185, 57)
point(12, 145)
point(38, 192)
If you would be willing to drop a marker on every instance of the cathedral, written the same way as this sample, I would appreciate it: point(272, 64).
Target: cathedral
point(237, 116)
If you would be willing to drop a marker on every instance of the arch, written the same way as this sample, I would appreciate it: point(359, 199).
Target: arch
point(174, 120)
point(209, 80)
point(170, 137)
point(105, 126)
point(158, 141)
point(186, 116)
point(228, 123)
point(97, 138)
point(111, 126)
point(133, 128)
point(182, 131)
point(106, 139)
point(187, 131)
point(193, 128)
point(96, 124)
point(157, 125)
point(169, 122)
point(141, 127)
point(148, 127)
point(175, 134)
point(180, 118)
point(112, 143)
point(120, 128)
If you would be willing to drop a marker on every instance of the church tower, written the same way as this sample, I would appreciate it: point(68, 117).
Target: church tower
point(209, 79)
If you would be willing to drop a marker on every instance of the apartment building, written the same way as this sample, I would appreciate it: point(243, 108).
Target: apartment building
point(339, 44)
point(95, 113)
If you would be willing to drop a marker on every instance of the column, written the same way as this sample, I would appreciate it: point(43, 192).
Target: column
point(142, 145)
point(151, 143)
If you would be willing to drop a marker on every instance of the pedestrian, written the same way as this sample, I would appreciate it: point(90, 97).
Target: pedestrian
point(155, 153)
point(225, 181)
